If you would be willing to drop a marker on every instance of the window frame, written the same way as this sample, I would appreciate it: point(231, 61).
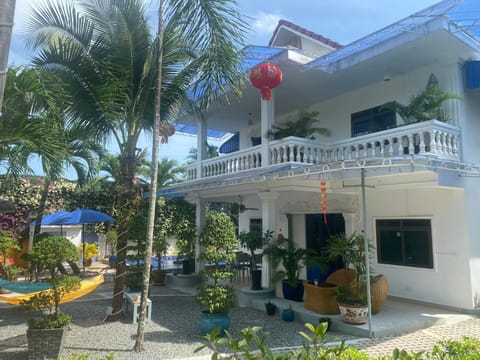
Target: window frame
point(377, 119)
point(430, 264)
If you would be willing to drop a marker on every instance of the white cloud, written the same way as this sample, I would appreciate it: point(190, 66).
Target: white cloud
point(265, 23)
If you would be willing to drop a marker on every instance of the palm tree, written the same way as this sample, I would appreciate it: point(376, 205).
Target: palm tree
point(108, 61)
point(7, 12)
point(28, 93)
point(169, 172)
point(212, 151)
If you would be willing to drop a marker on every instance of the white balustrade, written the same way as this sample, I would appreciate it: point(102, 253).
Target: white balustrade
point(429, 137)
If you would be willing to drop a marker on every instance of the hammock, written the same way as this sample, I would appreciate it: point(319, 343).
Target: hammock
point(86, 287)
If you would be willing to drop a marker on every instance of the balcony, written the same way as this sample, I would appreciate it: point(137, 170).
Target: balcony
point(429, 137)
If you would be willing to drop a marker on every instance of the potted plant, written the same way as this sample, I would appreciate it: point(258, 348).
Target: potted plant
point(253, 241)
point(351, 293)
point(301, 127)
point(288, 314)
point(427, 105)
point(112, 239)
point(160, 247)
point(271, 308)
point(292, 259)
point(186, 238)
point(218, 241)
point(90, 251)
point(45, 336)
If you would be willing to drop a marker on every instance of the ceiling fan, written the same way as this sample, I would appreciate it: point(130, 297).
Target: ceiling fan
point(242, 208)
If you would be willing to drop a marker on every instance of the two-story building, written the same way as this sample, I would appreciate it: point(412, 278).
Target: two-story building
point(414, 187)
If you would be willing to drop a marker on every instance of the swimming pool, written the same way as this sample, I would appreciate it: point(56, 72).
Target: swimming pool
point(23, 288)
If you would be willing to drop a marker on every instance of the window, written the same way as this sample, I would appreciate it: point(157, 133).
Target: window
point(406, 242)
point(372, 120)
point(256, 226)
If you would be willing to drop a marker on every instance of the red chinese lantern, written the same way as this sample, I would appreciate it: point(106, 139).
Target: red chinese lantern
point(166, 130)
point(265, 77)
point(323, 201)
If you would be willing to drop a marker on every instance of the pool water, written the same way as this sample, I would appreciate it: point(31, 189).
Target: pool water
point(23, 288)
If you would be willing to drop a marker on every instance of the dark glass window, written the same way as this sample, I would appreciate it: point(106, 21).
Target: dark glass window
point(256, 226)
point(405, 242)
point(372, 120)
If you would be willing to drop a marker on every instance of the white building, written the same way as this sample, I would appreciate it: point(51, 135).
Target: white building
point(422, 179)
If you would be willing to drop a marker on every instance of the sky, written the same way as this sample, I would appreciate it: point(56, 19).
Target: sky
point(343, 21)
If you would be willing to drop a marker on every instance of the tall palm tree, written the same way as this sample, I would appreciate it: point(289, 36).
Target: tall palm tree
point(7, 12)
point(108, 60)
point(23, 130)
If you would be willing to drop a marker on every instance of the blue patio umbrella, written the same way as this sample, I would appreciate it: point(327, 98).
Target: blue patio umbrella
point(86, 216)
point(56, 218)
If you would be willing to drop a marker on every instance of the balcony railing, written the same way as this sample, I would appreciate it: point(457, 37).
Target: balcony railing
point(429, 137)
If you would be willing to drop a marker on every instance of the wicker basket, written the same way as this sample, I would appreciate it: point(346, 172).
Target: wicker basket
point(321, 299)
point(45, 343)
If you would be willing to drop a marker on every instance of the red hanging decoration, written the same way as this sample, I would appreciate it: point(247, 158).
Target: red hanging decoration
point(323, 201)
point(265, 77)
point(166, 130)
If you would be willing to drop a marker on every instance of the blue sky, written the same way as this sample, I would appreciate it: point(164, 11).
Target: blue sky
point(340, 20)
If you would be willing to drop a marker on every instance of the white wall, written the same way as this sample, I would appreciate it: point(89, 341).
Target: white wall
point(448, 283)
point(335, 113)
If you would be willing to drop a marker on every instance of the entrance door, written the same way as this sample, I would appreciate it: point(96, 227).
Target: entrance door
point(317, 234)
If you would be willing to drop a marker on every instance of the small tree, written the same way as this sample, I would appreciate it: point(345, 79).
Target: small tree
point(219, 241)
point(48, 253)
point(7, 244)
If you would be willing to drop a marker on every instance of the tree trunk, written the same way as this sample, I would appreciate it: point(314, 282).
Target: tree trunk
point(129, 203)
point(140, 341)
point(7, 12)
point(41, 207)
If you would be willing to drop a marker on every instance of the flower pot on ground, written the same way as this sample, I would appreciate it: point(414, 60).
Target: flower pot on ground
point(288, 314)
point(254, 241)
point(48, 253)
point(289, 260)
point(90, 251)
point(321, 298)
point(218, 241)
point(271, 308)
point(351, 295)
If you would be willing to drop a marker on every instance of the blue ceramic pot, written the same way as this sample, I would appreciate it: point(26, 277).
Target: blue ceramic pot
point(288, 315)
point(208, 322)
point(293, 293)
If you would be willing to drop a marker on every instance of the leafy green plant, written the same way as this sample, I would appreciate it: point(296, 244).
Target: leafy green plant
point(111, 237)
point(10, 272)
point(218, 240)
point(254, 240)
point(301, 127)
point(292, 258)
point(91, 250)
point(8, 243)
point(350, 249)
point(427, 105)
point(49, 252)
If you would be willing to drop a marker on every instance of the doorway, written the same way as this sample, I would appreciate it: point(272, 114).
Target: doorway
point(317, 233)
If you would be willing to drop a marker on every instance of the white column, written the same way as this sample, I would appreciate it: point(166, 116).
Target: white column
point(269, 222)
point(201, 144)
point(267, 118)
point(200, 210)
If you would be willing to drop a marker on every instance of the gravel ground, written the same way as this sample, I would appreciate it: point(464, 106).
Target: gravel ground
point(172, 333)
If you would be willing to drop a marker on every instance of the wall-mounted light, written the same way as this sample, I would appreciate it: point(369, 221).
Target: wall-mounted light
point(250, 121)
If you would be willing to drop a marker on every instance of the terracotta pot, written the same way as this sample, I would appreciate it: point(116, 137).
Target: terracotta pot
point(321, 298)
point(378, 293)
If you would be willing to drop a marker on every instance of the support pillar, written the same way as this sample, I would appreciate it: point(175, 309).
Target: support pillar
point(201, 145)
point(200, 211)
point(267, 118)
point(269, 222)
